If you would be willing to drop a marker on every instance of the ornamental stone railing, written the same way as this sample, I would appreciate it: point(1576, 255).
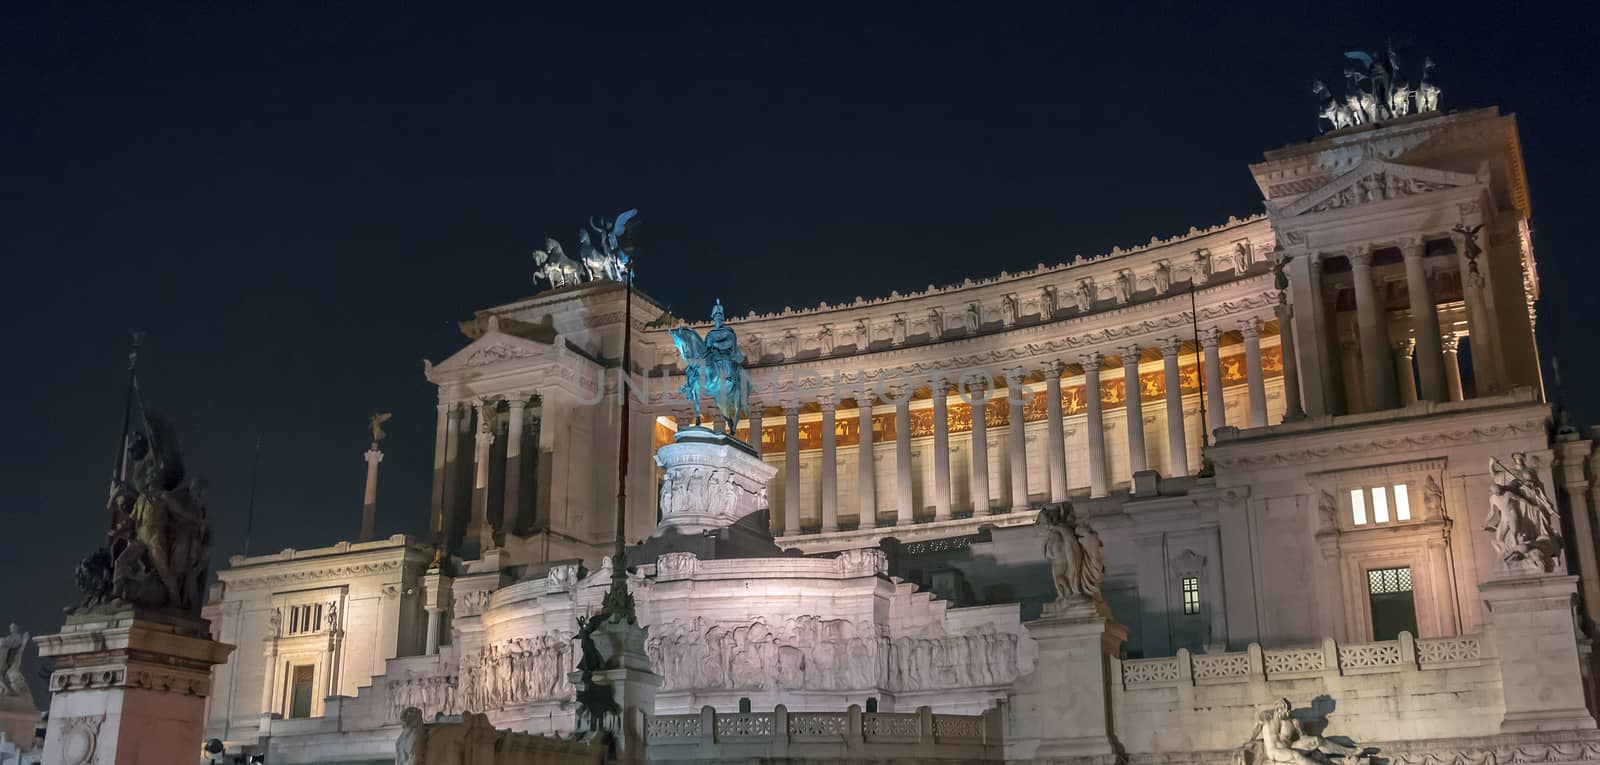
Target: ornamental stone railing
point(905, 736)
point(1331, 658)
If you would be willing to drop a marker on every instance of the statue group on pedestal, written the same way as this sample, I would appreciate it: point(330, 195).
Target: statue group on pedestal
point(1523, 519)
point(155, 556)
point(714, 366)
point(1075, 552)
point(1376, 92)
point(603, 253)
point(1281, 739)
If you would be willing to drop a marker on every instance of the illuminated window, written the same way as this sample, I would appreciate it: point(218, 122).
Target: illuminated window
point(1374, 504)
point(304, 619)
point(1191, 595)
point(1402, 503)
point(1358, 507)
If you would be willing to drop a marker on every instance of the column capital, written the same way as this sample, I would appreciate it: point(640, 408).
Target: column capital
point(373, 455)
point(519, 399)
point(1250, 328)
point(1448, 343)
point(485, 439)
point(1055, 367)
point(900, 396)
point(1130, 354)
point(1210, 338)
point(1360, 256)
point(1410, 247)
point(791, 407)
point(1014, 375)
point(828, 401)
point(1091, 361)
point(1170, 346)
point(1405, 347)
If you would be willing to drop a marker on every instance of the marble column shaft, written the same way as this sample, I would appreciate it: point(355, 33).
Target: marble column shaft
point(791, 468)
point(1135, 408)
point(1292, 409)
point(753, 434)
point(905, 510)
point(1452, 368)
point(866, 478)
point(1424, 324)
point(369, 499)
point(1402, 372)
point(1177, 442)
point(941, 450)
point(978, 400)
point(484, 439)
point(830, 465)
point(1095, 425)
point(452, 474)
point(1216, 410)
point(1255, 377)
point(1377, 374)
point(1056, 430)
point(513, 500)
point(441, 436)
point(1017, 437)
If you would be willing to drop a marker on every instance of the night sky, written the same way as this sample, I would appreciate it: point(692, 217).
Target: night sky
point(297, 204)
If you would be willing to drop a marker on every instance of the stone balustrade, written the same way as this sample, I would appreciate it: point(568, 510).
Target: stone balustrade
point(1293, 663)
point(916, 736)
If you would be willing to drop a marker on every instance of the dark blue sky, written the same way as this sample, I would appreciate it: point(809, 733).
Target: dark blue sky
point(298, 203)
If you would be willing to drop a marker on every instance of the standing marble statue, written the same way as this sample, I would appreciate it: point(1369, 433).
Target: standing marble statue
point(1279, 739)
point(12, 681)
point(412, 742)
point(1077, 563)
point(1525, 523)
point(714, 366)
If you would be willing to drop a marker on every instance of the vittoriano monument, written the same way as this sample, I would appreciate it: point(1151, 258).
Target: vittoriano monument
point(601, 254)
point(715, 368)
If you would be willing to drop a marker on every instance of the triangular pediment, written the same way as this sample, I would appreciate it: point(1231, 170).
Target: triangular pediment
point(1372, 181)
point(493, 346)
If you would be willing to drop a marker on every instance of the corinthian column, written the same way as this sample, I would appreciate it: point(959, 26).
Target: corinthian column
point(1292, 410)
point(977, 400)
point(1018, 437)
point(480, 480)
point(791, 468)
point(1402, 371)
point(905, 511)
point(1135, 404)
point(518, 403)
point(436, 505)
point(1254, 375)
point(1057, 450)
point(1216, 410)
point(1177, 448)
point(830, 465)
point(941, 450)
point(1376, 375)
point(867, 478)
point(369, 500)
point(1452, 368)
point(1424, 323)
point(1096, 425)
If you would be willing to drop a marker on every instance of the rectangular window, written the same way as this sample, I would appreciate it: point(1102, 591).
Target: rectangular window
point(1380, 505)
point(1191, 595)
point(1391, 601)
point(1402, 503)
point(1358, 507)
point(300, 678)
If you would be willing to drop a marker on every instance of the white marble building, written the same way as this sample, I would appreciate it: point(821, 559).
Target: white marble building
point(1291, 498)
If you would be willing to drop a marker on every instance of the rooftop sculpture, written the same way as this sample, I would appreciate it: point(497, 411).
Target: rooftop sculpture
point(602, 254)
point(1375, 91)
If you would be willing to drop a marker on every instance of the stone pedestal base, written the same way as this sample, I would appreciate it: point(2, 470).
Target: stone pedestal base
point(633, 685)
point(19, 718)
point(1532, 623)
point(129, 688)
point(1062, 709)
point(711, 480)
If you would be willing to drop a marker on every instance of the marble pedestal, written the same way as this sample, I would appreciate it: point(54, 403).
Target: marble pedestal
point(713, 500)
point(1532, 622)
point(633, 685)
point(19, 718)
point(129, 688)
point(1062, 709)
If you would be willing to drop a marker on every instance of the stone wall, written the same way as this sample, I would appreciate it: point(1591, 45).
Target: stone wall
point(1397, 690)
point(853, 735)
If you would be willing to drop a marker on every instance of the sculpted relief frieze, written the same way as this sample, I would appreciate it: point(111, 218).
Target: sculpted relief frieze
point(505, 674)
point(812, 653)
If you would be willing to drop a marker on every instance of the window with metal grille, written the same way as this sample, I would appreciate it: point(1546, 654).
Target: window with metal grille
point(1382, 581)
point(1191, 595)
